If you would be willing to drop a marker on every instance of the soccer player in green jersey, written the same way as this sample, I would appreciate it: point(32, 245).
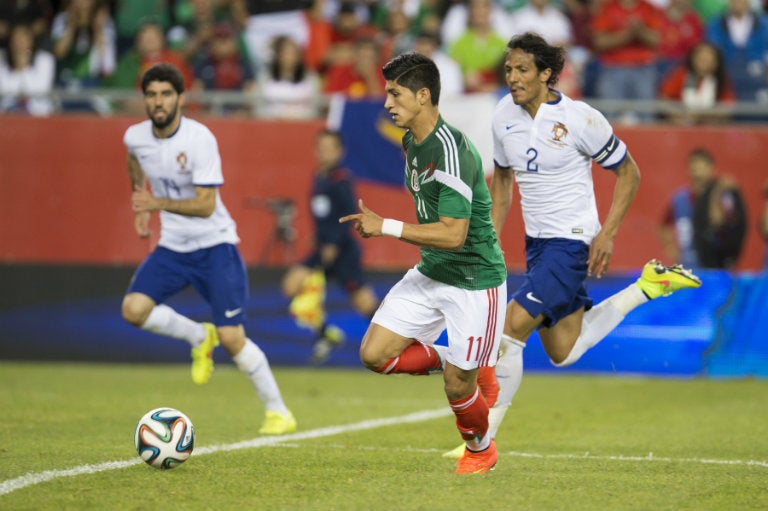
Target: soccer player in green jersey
point(460, 282)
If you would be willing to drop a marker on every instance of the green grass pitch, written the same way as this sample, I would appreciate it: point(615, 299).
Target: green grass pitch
point(370, 442)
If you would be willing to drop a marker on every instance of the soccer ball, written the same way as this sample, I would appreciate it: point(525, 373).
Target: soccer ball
point(164, 437)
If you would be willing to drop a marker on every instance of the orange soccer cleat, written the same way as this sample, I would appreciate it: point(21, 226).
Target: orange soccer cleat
point(478, 462)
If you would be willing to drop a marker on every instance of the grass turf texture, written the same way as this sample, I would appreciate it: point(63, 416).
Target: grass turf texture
point(560, 447)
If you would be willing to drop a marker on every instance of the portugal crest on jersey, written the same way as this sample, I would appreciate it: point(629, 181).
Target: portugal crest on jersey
point(559, 131)
point(181, 159)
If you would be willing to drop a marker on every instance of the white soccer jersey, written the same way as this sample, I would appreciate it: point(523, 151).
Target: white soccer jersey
point(551, 156)
point(174, 166)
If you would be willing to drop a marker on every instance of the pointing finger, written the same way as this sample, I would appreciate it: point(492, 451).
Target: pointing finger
point(349, 218)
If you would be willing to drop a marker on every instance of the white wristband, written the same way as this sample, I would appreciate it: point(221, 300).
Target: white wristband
point(390, 227)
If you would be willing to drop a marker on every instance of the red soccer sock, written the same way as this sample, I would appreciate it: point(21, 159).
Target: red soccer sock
point(418, 358)
point(472, 419)
point(489, 386)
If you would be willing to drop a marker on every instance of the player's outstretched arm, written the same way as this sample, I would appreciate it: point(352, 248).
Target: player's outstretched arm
point(446, 234)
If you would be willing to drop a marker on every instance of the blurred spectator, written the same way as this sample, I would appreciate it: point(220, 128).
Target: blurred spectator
point(540, 17)
point(451, 80)
point(220, 65)
point(320, 35)
point(682, 30)
point(83, 36)
point(149, 49)
point(288, 89)
point(742, 36)
point(700, 83)
point(706, 222)
point(626, 36)
point(479, 50)
point(193, 22)
point(580, 14)
point(263, 21)
point(348, 25)
point(35, 13)
point(192, 34)
point(346, 28)
point(428, 18)
point(456, 21)
point(131, 15)
point(356, 72)
point(26, 73)
point(396, 37)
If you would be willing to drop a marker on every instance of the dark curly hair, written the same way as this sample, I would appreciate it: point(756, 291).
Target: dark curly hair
point(545, 56)
point(163, 72)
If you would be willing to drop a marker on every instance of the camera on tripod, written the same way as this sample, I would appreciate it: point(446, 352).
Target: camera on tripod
point(284, 233)
point(285, 211)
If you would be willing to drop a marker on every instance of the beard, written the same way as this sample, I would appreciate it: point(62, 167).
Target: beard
point(169, 118)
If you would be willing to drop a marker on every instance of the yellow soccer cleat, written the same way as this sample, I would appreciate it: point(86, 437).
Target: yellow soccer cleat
point(658, 280)
point(275, 423)
point(307, 306)
point(202, 356)
point(456, 453)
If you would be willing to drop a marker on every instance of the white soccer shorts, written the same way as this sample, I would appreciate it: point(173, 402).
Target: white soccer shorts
point(422, 308)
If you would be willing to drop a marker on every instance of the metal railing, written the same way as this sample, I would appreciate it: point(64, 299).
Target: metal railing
point(108, 102)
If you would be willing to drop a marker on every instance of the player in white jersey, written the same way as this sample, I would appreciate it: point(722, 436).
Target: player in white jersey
point(546, 142)
point(179, 158)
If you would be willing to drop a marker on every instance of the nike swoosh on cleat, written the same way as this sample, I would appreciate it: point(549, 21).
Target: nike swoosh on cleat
point(532, 298)
point(232, 313)
point(664, 283)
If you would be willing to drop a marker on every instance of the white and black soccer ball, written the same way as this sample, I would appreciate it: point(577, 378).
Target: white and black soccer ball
point(164, 437)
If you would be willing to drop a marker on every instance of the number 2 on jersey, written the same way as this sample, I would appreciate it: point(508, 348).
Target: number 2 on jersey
point(532, 155)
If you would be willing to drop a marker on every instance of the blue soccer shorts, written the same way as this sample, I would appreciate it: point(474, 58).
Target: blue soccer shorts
point(217, 273)
point(554, 279)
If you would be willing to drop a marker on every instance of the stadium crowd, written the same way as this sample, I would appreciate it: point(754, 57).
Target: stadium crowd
point(289, 53)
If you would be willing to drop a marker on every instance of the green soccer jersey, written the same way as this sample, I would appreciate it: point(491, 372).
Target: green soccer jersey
point(445, 176)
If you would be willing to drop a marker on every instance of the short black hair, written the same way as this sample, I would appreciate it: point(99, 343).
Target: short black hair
point(545, 56)
point(163, 72)
point(414, 71)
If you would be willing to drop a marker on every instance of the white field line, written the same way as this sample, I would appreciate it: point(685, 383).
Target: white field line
point(586, 456)
point(649, 457)
point(31, 479)
point(18, 483)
